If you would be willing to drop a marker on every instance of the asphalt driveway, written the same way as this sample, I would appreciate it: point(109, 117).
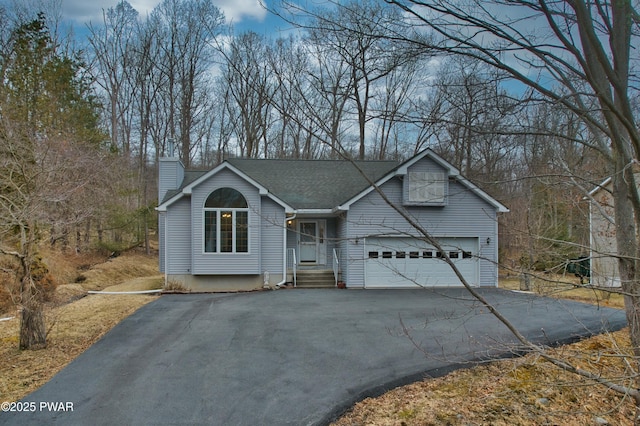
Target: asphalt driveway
point(296, 357)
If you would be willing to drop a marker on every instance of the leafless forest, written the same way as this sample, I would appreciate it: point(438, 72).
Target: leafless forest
point(362, 81)
point(537, 103)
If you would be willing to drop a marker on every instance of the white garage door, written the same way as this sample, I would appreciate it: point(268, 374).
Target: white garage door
point(410, 263)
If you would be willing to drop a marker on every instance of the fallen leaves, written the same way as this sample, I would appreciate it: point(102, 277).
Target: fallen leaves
point(519, 391)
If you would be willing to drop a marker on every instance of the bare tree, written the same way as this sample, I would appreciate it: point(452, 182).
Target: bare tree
point(147, 88)
point(392, 105)
point(19, 207)
point(219, 147)
point(188, 30)
point(574, 54)
point(291, 67)
point(330, 79)
point(246, 75)
point(359, 33)
point(111, 46)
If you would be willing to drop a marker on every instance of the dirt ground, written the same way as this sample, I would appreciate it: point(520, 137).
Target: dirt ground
point(520, 391)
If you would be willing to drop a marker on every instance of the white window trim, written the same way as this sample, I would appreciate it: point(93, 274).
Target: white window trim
point(426, 188)
point(218, 211)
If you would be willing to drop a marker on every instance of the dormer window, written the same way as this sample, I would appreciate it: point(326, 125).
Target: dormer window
point(226, 222)
point(426, 188)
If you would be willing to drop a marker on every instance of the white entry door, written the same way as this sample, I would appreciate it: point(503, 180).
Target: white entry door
point(308, 241)
point(312, 241)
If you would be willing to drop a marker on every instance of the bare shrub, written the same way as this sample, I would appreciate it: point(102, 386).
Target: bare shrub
point(175, 286)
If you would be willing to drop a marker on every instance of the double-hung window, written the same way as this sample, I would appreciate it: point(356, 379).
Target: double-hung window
point(226, 222)
point(426, 188)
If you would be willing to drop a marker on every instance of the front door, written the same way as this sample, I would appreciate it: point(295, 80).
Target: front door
point(308, 241)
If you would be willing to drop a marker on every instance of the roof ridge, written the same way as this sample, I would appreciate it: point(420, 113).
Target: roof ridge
point(312, 159)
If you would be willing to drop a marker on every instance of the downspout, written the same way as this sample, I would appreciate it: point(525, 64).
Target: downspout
point(284, 250)
point(166, 256)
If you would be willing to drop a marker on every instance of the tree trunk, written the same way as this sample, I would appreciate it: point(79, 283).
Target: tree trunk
point(33, 333)
point(525, 281)
point(627, 250)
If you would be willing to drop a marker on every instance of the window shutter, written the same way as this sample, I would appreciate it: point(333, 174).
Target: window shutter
point(426, 187)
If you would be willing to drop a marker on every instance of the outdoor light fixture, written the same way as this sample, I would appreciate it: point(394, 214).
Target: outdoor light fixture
point(488, 240)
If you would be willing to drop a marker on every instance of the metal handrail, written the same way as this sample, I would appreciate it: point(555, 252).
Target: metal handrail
point(336, 265)
point(292, 263)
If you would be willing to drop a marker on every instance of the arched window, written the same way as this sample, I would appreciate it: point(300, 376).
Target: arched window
point(226, 222)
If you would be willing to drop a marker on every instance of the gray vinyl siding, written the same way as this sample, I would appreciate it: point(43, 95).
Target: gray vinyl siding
point(226, 263)
point(424, 165)
point(272, 249)
point(161, 252)
point(330, 236)
point(465, 215)
point(170, 176)
point(343, 246)
point(292, 236)
point(178, 255)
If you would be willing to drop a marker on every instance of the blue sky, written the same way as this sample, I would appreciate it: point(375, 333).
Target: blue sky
point(243, 14)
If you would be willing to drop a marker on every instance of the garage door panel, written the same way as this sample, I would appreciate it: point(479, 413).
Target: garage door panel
point(411, 263)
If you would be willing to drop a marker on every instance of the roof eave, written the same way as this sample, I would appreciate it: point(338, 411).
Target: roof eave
point(402, 171)
point(162, 207)
point(317, 212)
point(188, 189)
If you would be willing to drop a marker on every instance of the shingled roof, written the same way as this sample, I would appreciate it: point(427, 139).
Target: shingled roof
point(313, 184)
point(189, 177)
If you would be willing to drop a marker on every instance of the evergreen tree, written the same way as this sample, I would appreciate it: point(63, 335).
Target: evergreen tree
point(48, 125)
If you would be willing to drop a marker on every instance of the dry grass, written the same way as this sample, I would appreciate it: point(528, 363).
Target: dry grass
point(75, 321)
point(139, 284)
point(76, 326)
point(65, 266)
point(520, 391)
point(566, 287)
point(118, 270)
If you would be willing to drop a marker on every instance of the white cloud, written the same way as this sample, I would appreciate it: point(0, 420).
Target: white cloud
point(235, 11)
point(83, 11)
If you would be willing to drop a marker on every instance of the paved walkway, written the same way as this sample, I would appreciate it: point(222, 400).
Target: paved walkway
point(297, 357)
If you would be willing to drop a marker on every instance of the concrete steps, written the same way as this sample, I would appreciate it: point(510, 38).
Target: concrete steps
point(315, 279)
